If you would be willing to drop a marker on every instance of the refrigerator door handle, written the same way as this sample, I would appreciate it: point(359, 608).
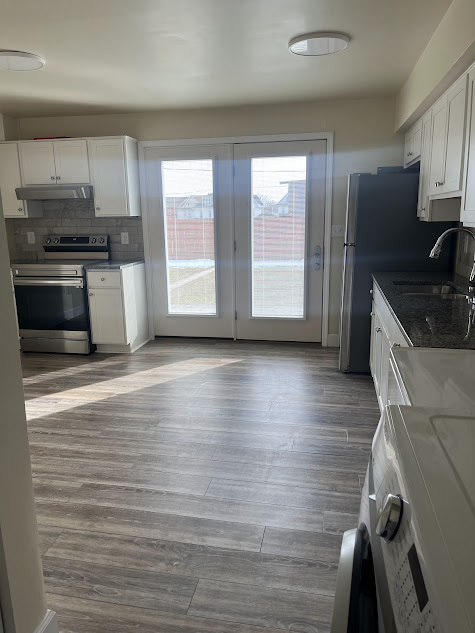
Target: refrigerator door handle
point(318, 257)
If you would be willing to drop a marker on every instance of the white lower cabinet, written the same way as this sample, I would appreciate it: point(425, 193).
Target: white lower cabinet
point(118, 308)
point(385, 334)
point(107, 316)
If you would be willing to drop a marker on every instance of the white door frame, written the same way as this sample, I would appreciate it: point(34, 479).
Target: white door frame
point(268, 138)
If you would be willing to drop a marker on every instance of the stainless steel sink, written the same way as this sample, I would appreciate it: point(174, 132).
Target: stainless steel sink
point(446, 297)
point(427, 289)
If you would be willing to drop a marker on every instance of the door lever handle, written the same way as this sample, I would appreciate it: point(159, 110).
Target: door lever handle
point(318, 257)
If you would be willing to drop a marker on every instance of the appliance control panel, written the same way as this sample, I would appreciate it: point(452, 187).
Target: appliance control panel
point(75, 240)
point(412, 608)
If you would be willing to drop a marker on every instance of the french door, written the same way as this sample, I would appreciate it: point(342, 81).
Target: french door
point(236, 239)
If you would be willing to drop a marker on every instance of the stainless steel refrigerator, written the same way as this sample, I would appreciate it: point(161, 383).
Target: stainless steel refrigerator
point(382, 234)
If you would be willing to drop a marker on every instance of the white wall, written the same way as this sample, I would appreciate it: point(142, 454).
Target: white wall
point(9, 130)
point(450, 51)
point(21, 580)
point(364, 140)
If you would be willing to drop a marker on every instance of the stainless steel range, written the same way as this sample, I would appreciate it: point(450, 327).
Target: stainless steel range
point(51, 295)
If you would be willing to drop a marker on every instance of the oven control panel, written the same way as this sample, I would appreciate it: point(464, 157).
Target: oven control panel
point(72, 241)
point(412, 609)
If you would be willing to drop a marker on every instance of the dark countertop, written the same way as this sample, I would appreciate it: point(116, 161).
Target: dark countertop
point(113, 265)
point(429, 321)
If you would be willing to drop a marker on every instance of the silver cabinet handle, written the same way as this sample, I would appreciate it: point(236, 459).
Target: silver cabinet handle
point(103, 278)
point(318, 257)
point(439, 183)
point(397, 345)
point(58, 177)
point(91, 294)
point(53, 178)
point(409, 153)
point(98, 208)
point(371, 291)
point(378, 330)
point(20, 208)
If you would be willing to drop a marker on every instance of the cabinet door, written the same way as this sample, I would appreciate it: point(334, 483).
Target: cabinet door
point(412, 144)
point(375, 353)
point(468, 197)
point(37, 163)
point(437, 157)
point(417, 141)
point(408, 140)
point(383, 374)
point(107, 316)
point(109, 176)
point(456, 108)
point(423, 202)
point(72, 164)
point(9, 180)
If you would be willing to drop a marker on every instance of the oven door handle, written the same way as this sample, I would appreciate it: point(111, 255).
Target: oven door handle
point(35, 281)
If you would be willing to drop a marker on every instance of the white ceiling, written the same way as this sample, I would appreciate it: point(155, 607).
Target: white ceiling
point(129, 55)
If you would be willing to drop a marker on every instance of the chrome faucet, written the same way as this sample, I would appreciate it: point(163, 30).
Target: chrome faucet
point(435, 252)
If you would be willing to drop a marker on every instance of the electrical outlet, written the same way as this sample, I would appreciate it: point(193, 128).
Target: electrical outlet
point(124, 238)
point(338, 230)
point(30, 237)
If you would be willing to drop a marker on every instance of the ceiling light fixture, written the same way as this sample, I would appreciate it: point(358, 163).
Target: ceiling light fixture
point(316, 44)
point(20, 61)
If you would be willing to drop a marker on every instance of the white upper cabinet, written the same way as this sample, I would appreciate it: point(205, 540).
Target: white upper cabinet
point(432, 210)
point(468, 189)
point(448, 124)
point(110, 164)
point(37, 163)
point(48, 162)
point(114, 175)
point(10, 179)
point(71, 160)
point(412, 144)
point(426, 138)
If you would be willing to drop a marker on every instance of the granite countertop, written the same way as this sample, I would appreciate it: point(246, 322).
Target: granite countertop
point(113, 265)
point(429, 321)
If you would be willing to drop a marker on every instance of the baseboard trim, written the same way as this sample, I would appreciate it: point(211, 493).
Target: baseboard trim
point(120, 349)
point(333, 340)
point(49, 624)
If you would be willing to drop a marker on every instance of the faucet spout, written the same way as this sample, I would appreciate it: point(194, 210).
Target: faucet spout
point(435, 252)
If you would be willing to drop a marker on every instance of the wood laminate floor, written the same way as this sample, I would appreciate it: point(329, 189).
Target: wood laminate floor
point(196, 486)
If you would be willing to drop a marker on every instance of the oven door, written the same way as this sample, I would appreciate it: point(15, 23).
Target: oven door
point(52, 307)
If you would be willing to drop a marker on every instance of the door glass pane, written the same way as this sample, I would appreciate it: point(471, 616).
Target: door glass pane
point(278, 236)
point(189, 234)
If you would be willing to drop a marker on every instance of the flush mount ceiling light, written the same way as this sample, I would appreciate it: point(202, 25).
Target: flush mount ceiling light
point(316, 44)
point(20, 61)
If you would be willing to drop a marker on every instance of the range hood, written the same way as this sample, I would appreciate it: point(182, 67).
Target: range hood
point(54, 192)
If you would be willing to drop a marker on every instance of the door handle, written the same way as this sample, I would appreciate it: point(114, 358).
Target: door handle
point(318, 257)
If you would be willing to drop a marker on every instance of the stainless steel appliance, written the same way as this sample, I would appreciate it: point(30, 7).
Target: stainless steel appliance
point(408, 566)
point(383, 233)
point(51, 296)
point(54, 192)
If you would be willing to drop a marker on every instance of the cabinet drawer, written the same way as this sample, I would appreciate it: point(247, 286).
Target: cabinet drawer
point(103, 279)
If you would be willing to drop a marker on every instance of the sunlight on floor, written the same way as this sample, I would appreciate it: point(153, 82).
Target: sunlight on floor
point(79, 396)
